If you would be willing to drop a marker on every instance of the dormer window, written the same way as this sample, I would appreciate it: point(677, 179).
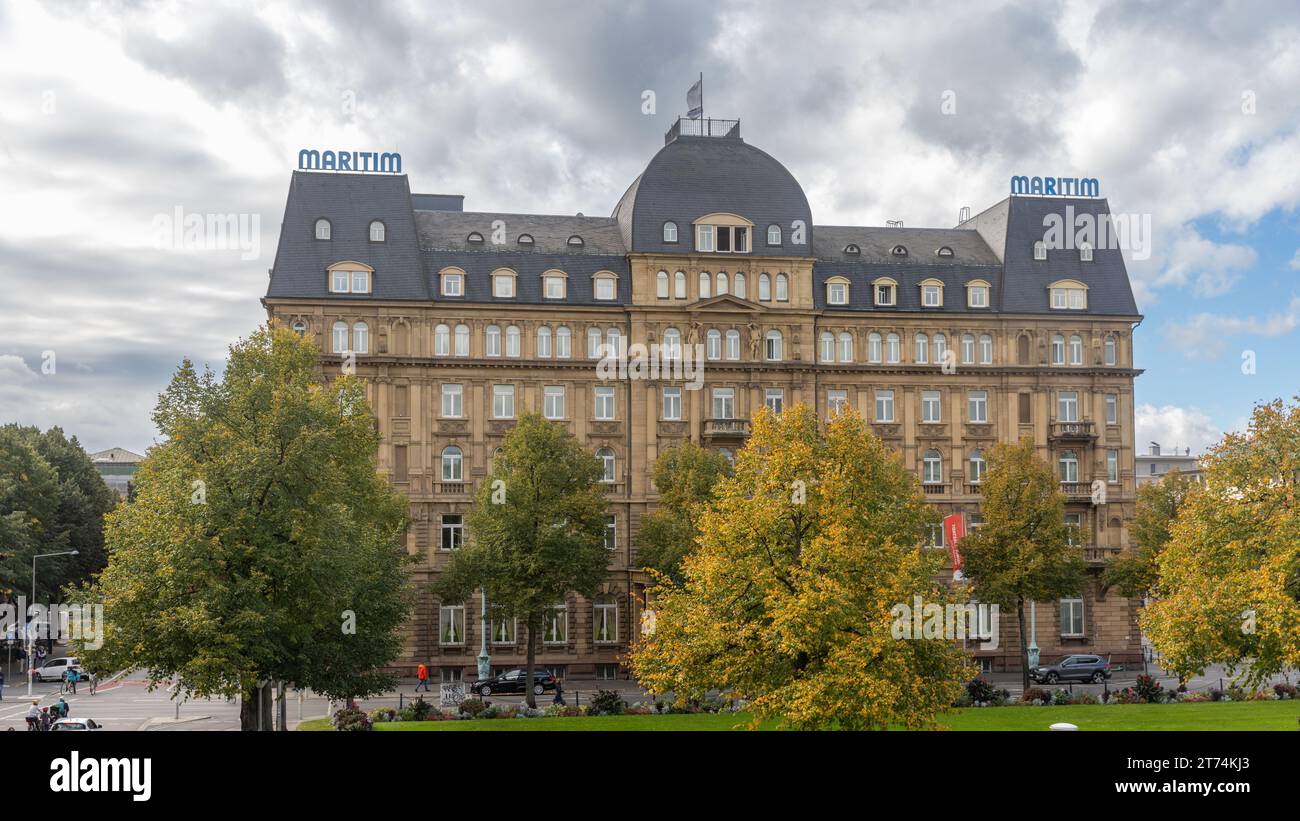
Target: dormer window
point(526, 240)
point(1068, 295)
point(945, 251)
point(1040, 251)
point(350, 278)
point(852, 249)
point(932, 294)
point(575, 241)
point(722, 234)
point(453, 282)
point(503, 284)
point(1085, 252)
point(885, 291)
point(977, 294)
point(554, 285)
point(670, 231)
point(898, 251)
point(376, 231)
point(773, 235)
point(606, 286)
point(475, 237)
point(837, 291)
point(322, 228)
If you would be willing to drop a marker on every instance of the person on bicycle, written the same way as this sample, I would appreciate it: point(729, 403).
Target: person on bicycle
point(34, 716)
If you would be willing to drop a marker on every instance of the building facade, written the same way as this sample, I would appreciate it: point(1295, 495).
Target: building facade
point(116, 466)
point(1155, 463)
point(946, 339)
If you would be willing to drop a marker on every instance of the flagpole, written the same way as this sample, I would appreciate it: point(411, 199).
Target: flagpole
point(702, 95)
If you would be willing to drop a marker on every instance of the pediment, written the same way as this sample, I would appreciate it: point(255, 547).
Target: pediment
point(726, 304)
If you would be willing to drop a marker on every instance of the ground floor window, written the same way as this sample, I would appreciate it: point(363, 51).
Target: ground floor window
point(451, 675)
point(556, 628)
point(451, 624)
point(605, 622)
point(606, 672)
point(556, 670)
point(1071, 617)
point(985, 664)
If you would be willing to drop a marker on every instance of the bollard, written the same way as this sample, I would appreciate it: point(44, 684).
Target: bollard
point(1063, 726)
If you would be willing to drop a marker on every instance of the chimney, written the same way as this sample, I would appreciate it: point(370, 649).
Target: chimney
point(1155, 449)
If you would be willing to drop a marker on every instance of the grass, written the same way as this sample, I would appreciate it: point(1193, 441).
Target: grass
point(1244, 715)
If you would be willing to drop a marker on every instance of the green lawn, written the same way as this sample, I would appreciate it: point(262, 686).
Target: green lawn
point(1247, 715)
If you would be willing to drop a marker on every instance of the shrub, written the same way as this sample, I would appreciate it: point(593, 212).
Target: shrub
point(1128, 696)
point(471, 707)
point(383, 714)
point(1149, 690)
point(1082, 697)
point(963, 700)
point(607, 703)
point(981, 692)
point(1062, 697)
point(419, 710)
point(1284, 690)
point(1218, 695)
point(1237, 693)
point(351, 719)
point(1036, 695)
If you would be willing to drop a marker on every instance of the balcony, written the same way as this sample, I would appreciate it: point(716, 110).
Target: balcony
point(934, 488)
point(1073, 432)
point(734, 429)
point(686, 127)
point(1096, 555)
point(453, 488)
point(1077, 491)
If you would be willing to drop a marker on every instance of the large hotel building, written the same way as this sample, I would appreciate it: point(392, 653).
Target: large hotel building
point(947, 339)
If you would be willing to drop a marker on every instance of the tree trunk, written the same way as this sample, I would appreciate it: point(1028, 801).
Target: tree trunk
point(248, 710)
point(529, 696)
point(284, 709)
point(266, 704)
point(1024, 647)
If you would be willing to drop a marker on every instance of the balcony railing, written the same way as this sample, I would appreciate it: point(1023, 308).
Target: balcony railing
point(1098, 554)
point(1077, 491)
point(934, 488)
point(457, 488)
point(726, 428)
point(1074, 431)
point(685, 127)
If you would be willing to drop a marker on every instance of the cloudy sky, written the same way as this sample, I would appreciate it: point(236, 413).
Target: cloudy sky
point(115, 115)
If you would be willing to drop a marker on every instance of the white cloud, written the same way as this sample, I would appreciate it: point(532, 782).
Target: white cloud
point(1206, 335)
point(1175, 427)
point(1295, 260)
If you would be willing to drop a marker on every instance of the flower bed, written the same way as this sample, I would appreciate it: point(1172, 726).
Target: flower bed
point(1147, 690)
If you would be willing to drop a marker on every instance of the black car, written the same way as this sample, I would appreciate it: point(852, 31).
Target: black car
point(513, 681)
point(1073, 668)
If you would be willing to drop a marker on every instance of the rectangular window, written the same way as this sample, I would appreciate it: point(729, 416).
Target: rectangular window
point(704, 239)
point(724, 403)
point(360, 282)
point(930, 407)
point(836, 402)
point(1112, 466)
point(503, 401)
point(606, 672)
point(611, 532)
point(452, 401)
point(931, 296)
point(503, 286)
point(339, 282)
point(604, 402)
point(977, 406)
point(606, 623)
point(605, 288)
point(503, 630)
point(1071, 617)
point(1026, 408)
point(979, 297)
point(934, 536)
point(450, 675)
point(451, 624)
point(1112, 409)
point(556, 628)
point(453, 531)
point(884, 294)
point(1067, 406)
point(399, 463)
point(672, 403)
point(553, 402)
point(884, 406)
point(554, 287)
point(451, 285)
point(774, 398)
point(837, 293)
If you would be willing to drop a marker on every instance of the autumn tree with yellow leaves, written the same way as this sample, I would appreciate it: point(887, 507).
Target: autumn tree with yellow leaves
point(1228, 590)
point(786, 599)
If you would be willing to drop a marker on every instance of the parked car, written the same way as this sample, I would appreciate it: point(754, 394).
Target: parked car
point(513, 682)
point(69, 724)
point(1073, 668)
point(54, 669)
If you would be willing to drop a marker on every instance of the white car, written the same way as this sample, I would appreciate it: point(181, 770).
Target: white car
point(54, 669)
point(67, 724)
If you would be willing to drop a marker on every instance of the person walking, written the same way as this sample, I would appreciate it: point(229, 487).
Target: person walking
point(2, 684)
point(422, 674)
point(93, 678)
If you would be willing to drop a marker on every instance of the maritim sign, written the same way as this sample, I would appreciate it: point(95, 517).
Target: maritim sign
point(309, 159)
point(1056, 186)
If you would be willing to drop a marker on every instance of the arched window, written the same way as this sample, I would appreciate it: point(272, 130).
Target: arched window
point(670, 231)
point(764, 288)
point(986, 349)
point(593, 344)
point(672, 343)
point(893, 349)
point(493, 338)
point(606, 457)
point(441, 341)
point(932, 468)
point(544, 342)
point(1110, 351)
point(322, 228)
point(773, 347)
point(299, 327)
point(1058, 349)
point(512, 340)
point(873, 347)
point(1076, 349)
point(613, 342)
point(376, 231)
point(526, 240)
point(1085, 252)
point(462, 340)
point(661, 285)
point(733, 344)
point(339, 337)
point(782, 288)
point(846, 346)
point(452, 465)
point(575, 241)
point(967, 349)
point(722, 283)
point(827, 347)
point(679, 285)
point(705, 282)
point(740, 286)
point(977, 466)
point(940, 348)
point(361, 338)
point(1069, 466)
point(773, 235)
point(922, 349)
point(713, 346)
point(563, 343)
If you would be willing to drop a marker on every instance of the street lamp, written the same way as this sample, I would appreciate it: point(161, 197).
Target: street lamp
point(31, 658)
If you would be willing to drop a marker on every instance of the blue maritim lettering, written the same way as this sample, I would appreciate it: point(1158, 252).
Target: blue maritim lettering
point(386, 162)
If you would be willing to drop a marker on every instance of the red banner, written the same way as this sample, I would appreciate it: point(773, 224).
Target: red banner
point(954, 530)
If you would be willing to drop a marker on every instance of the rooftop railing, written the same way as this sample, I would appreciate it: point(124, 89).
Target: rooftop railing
point(686, 127)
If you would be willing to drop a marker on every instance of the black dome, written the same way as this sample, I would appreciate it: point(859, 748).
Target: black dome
point(694, 176)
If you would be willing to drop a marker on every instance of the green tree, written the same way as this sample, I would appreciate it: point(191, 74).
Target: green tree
point(536, 532)
point(262, 544)
point(1228, 590)
point(1021, 552)
point(29, 505)
point(1134, 573)
point(685, 476)
point(789, 598)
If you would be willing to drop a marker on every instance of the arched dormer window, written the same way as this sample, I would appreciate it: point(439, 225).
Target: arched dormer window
point(1068, 295)
point(575, 241)
point(1040, 251)
point(526, 240)
point(555, 284)
point(885, 291)
point(503, 283)
point(670, 231)
point(451, 282)
point(377, 231)
point(322, 228)
point(1085, 252)
point(475, 238)
point(723, 233)
point(943, 251)
point(774, 234)
point(931, 293)
point(898, 251)
point(977, 294)
point(837, 291)
point(605, 286)
point(350, 277)
point(852, 249)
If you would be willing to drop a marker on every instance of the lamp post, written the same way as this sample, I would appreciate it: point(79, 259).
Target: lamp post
point(31, 658)
point(484, 660)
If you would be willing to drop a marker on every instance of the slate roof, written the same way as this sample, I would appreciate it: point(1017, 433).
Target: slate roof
point(908, 293)
point(876, 245)
point(449, 231)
